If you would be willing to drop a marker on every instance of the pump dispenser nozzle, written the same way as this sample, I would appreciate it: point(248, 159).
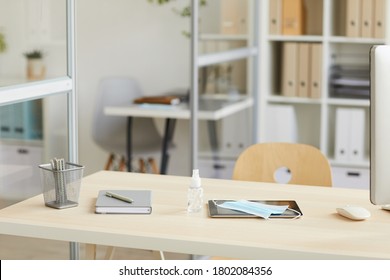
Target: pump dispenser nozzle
point(195, 180)
point(195, 193)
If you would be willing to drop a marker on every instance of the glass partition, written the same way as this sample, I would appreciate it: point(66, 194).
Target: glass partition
point(33, 41)
point(36, 67)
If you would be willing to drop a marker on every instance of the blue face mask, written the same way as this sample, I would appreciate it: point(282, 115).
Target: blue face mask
point(254, 208)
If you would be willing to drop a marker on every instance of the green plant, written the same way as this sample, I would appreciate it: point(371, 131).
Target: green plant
point(3, 45)
point(34, 54)
point(185, 12)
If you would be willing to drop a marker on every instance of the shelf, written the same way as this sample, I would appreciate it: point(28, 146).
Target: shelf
point(349, 102)
point(20, 142)
point(220, 57)
point(301, 38)
point(294, 100)
point(361, 164)
point(349, 40)
point(33, 90)
point(223, 37)
point(331, 39)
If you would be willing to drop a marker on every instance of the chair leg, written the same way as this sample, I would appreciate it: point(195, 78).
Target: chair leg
point(142, 167)
point(109, 162)
point(90, 251)
point(153, 165)
point(158, 255)
point(122, 164)
point(109, 253)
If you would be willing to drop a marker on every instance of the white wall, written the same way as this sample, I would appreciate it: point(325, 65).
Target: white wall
point(132, 38)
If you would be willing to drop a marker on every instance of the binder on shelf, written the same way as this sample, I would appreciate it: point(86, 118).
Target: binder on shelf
point(357, 125)
point(293, 17)
point(233, 17)
point(6, 120)
point(303, 69)
point(349, 144)
point(316, 70)
point(275, 17)
point(367, 18)
point(353, 18)
point(19, 124)
point(282, 125)
point(32, 119)
point(342, 134)
point(379, 18)
point(289, 69)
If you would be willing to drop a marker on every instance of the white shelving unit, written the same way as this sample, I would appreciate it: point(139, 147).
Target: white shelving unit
point(313, 119)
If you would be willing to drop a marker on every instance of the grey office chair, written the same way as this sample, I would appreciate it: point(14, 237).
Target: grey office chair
point(109, 132)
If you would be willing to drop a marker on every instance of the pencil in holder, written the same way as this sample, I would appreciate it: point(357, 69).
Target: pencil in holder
point(61, 184)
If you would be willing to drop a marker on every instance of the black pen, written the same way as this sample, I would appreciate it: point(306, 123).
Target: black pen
point(120, 197)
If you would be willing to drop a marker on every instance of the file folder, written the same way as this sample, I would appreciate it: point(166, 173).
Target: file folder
point(6, 121)
point(303, 69)
point(356, 138)
point(282, 126)
point(316, 70)
point(379, 18)
point(353, 18)
point(350, 128)
point(275, 17)
point(233, 16)
point(293, 14)
point(367, 18)
point(289, 69)
point(342, 134)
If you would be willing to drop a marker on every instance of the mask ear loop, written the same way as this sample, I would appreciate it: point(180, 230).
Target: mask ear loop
point(295, 211)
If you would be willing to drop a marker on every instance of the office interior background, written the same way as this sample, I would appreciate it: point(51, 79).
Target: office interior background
point(145, 41)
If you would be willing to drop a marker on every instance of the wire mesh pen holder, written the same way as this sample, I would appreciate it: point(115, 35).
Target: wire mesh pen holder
point(61, 188)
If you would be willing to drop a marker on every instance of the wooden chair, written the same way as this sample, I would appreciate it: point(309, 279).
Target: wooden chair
point(306, 164)
point(260, 162)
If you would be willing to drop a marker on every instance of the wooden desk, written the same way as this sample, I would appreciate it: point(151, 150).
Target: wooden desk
point(210, 109)
point(319, 234)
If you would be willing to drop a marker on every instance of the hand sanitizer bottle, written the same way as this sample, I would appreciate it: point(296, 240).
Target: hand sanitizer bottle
point(195, 193)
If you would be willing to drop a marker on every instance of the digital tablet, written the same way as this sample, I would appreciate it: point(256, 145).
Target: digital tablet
point(293, 210)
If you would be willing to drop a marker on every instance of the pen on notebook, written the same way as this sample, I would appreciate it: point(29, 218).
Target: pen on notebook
point(120, 197)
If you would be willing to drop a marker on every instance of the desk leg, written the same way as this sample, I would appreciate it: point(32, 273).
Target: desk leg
point(168, 136)
point(128, 143)
point(212, 130)
point(74, 251)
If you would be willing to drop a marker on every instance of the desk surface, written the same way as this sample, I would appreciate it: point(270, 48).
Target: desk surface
point(320, 233)
point(209, 109)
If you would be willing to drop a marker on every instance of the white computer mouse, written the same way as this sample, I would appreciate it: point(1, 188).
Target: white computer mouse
point(354, 212)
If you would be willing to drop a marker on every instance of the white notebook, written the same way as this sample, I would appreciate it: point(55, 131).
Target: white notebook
point(109, 205)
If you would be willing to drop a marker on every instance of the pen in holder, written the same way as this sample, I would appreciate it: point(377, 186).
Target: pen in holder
point(61, 183)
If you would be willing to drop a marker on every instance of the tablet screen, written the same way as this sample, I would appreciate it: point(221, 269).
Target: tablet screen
point(293, 210)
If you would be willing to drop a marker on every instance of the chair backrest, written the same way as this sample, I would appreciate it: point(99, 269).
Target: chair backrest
point(109, 132)
point(306, 164)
